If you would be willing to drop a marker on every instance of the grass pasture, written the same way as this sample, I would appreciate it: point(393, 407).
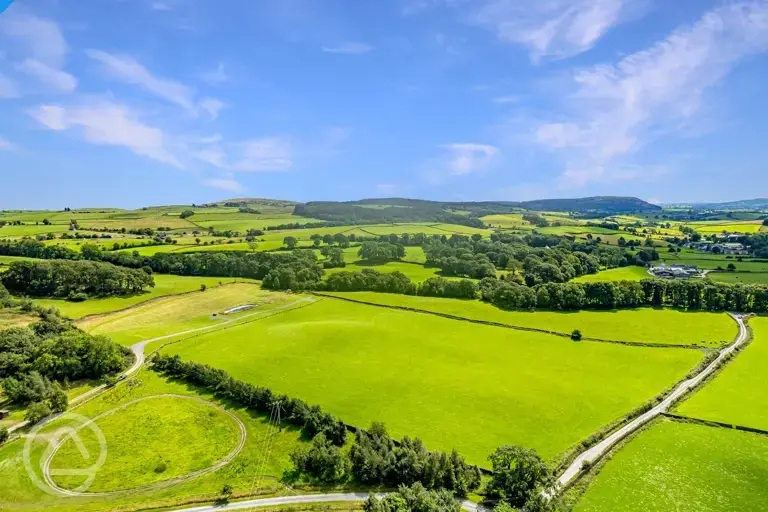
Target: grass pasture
point(164, 285)
point(454, 384)
point(631, 273)
point(737, 394)
point(739, 277)
point(642, 325)
point(683, 466)
point(178, 313)
point(179, 435)
point(19, 493)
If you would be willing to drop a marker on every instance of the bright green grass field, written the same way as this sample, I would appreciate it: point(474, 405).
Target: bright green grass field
point(683, 467)
point(738, 394)
point(416, 273)
point(452, 383)
point(631, 273)
point(642, 325)
point(180, 313)
point(739, 277)
point(178, 435)
point(164, 285)
point(19, 493)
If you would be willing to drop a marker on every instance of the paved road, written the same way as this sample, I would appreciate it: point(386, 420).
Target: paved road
point(600, 449)
point(309, 498)
point(138, 352)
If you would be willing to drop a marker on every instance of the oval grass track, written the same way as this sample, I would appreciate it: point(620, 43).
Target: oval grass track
point(452, 383)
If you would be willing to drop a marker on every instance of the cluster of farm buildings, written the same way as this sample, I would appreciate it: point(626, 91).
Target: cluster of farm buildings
point(675, 271)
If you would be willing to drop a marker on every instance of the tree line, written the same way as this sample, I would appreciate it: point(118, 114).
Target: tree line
point(377, 459)
point(690, 294)
point(397, 282)
point(74, 279)
point(37, 361)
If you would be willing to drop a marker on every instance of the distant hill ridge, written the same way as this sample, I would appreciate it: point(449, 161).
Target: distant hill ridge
point(397, 209)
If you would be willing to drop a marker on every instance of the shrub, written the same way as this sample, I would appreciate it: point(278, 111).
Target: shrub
point(4, 435)
point(227, 490)
point(576, 335)
point(203, 287)
point(37, 412)
point(77, 297)
point(161, 467)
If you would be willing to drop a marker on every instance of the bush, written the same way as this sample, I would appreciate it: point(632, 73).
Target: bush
point(576, 335)
point(4, 435)
point(414, 499)
point(203, 287)
point(37, 412)
point(77, 297)
point(186, 214)
point(161, 467)
point(322, 461)
point(227, 490)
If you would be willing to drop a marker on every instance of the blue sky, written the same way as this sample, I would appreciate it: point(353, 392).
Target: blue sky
point(138, 102)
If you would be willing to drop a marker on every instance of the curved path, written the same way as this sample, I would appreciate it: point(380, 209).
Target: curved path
point(138, 353)
point(596, 452)
point(183, 478)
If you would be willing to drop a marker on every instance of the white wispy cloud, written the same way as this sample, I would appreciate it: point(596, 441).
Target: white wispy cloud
point(59, 80)
point(42, 37)
point(226, 184)
point(268, 154)
point(623, 107)
point(556, 28)
point(466, 158)
point(548, 28)
point(7, 88)
point(45, 49)
point(351, 48)
point(211, 106)
point(159, 6)
point(506, 99)
point(128, 70)
point(107, 123)
point(216, 76)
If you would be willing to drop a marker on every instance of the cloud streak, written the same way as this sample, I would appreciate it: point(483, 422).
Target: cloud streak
point(226, 184)
point(349, 48)
point(620, 108)
point(466, 158)
point(130, 71)
point(55, 78)
point(108, 124)
point(267, 154)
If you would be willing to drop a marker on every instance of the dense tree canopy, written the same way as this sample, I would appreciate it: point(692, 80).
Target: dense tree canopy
point(73, 279)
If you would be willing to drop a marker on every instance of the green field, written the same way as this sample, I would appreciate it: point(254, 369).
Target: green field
point(454, 384)
point(683, 466)
point(739, 277)
point(164, 285)
point(19, 493)
point(179, 313)
point(737, 395)
point(177, 436)
point(642, 325)
point(632, 273)
point(719, 227)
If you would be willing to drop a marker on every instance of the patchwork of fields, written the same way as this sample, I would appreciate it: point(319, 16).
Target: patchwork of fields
point(451, 383)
